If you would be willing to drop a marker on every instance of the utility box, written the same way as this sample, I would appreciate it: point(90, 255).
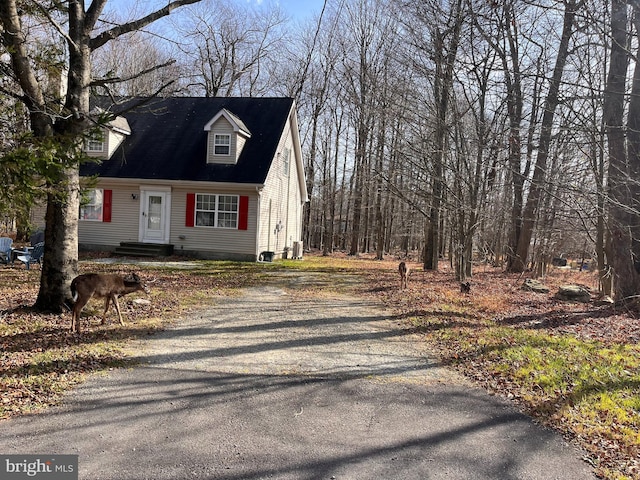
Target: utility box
point(297, 250)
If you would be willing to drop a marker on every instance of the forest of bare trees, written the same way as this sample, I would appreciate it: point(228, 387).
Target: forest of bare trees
point(477, 131)
point(472, 130)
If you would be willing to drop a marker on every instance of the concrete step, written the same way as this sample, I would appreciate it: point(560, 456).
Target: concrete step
point(138, 249)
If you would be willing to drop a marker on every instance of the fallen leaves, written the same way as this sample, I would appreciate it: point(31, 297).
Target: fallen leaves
point(574, 366)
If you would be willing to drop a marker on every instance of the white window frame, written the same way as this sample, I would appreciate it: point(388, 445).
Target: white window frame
point(221, 218)
point(223, 141)
point(93, 210)
point(96, 143)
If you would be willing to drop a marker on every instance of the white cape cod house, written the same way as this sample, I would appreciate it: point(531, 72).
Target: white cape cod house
point(218, 178)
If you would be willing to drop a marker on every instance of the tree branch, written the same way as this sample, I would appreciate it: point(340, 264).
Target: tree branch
point(57, 26)
point(106, 81)
point(15, 42)
point(120, 30)
point(93, 14)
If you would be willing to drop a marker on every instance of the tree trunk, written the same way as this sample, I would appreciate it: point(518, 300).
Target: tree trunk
point(626, 265)
point(357, 203)
point(513, 81)
point(60, 261)
point(620, 240)
point(444, 58)
point(310, 176)
point(530, 212)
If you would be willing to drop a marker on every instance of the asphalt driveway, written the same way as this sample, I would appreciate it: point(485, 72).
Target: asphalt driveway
point(269, 385)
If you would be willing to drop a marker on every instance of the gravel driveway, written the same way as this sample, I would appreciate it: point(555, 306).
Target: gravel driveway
point(270, 385)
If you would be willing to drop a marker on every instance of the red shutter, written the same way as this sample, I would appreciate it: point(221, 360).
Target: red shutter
point(106, 205)
point(243, 213)
point(191, 210)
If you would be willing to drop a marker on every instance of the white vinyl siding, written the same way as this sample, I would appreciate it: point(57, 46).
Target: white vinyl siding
point(240, 141)
point(114, 140)
point(281, 201)
point(124, 224)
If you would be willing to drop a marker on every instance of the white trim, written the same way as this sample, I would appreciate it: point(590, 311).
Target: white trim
point(156, 188)
point(297, 153)
point(232, 119)
point(162, 184)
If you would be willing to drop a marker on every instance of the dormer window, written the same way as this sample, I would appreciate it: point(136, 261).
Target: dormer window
point(95, 144)
point(222, 144)
point(226, 137)
point(102, 141)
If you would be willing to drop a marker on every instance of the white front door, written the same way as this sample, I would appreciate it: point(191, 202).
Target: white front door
point(154, 216)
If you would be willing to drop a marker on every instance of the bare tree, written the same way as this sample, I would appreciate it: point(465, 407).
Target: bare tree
point(229, 48)
point(366, 31)
point(436, 28)
point(540, 174)
point(129, 66)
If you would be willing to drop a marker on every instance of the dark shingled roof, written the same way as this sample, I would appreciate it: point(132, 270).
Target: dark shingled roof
point(168, 141)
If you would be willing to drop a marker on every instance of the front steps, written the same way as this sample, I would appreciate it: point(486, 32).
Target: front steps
point(138, 249)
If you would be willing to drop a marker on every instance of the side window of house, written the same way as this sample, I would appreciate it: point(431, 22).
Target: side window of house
point(216, 210)
point(286, 158)
point(95, 143)
point(91, 205)
point(222, 144)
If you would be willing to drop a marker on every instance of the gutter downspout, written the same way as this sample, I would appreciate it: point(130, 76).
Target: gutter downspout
point(258, 210)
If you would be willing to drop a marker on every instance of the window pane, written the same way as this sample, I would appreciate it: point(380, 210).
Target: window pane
point(205, 219)
point(227, 211)
point(227, 220)
point(217, 210)
point(154, 216)
point(222, 144)
point(205, 210)
point(96, 142)
point(206, 202)
point(285, 161)
point(228, 203)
